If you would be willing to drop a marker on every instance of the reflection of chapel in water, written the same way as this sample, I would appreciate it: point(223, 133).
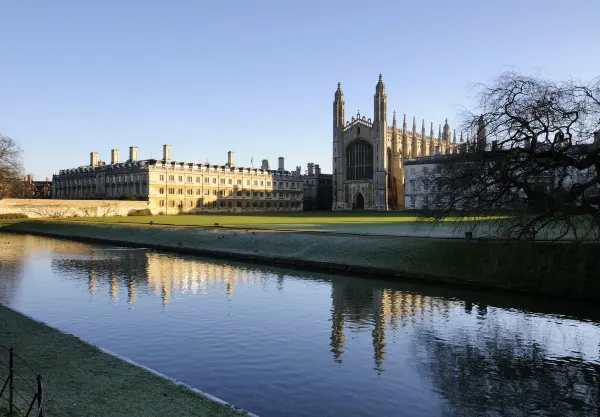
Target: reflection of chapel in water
point(357, 307)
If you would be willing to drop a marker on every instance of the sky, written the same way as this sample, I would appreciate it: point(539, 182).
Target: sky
point(258, 77)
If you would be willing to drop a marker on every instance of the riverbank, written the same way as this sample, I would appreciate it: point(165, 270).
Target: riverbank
point(562, 270)
point(81, 380)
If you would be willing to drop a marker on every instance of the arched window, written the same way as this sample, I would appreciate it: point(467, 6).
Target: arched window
point(359, 161)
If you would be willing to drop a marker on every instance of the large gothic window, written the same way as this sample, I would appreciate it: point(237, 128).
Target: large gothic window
point(359, 161)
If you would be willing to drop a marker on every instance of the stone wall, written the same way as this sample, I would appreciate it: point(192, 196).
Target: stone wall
point(35, 208)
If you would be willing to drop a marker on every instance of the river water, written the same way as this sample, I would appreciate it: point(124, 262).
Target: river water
point(282, 342)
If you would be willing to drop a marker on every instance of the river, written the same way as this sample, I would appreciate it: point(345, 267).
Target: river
point(283, 342)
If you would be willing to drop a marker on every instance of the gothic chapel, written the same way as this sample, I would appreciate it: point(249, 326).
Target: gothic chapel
point(369, 155)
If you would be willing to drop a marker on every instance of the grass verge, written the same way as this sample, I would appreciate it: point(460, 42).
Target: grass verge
point(80, 380)
point(375, 223)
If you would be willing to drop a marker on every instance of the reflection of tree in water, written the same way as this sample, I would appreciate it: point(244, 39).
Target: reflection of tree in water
point(11, 270)
point(506, 373)
point(10, 279)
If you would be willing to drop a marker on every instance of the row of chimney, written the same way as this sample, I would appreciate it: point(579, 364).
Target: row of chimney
point(313, 169)
point(133, 157)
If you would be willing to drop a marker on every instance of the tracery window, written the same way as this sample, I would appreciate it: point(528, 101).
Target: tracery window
point(359, 161)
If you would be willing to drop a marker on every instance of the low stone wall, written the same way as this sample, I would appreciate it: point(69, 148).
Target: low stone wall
point(45, 208)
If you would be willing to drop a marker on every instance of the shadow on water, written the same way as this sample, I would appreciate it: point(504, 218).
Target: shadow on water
point(481, 353)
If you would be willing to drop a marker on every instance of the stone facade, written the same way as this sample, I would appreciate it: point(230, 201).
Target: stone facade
point(369, 154)
point(181, 187)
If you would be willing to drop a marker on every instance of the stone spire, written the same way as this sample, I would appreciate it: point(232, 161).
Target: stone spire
point(431, 134)
point(380, 102)
point(404, 139)
point(394, 120)
point(461, 137)
point(415, 142)
point(481, 135)
point(440, 133)
point(339, 107)
point(446, 132)
point(423, 140)
point(454, 139)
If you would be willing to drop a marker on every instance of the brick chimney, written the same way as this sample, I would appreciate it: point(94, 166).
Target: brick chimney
point(166, 153)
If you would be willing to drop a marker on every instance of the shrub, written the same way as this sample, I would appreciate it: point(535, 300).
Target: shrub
point(10, 216)
point(127, 197)
point(141, 212)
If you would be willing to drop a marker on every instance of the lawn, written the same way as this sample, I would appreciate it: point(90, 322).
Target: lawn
point(384, 223)
point(80, 380)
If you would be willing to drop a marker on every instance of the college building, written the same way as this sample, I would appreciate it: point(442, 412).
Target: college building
point(183, 187)
point(369, 155)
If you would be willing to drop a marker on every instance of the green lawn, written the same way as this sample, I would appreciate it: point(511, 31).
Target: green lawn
point(387, 223)
point(80, 380)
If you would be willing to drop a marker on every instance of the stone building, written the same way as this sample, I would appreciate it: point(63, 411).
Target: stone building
point(37, 189)
point(369, 154)
point(317, 188)
point(183, 187)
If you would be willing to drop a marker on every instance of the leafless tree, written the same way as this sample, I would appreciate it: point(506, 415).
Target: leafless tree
point(535, 158)
point(11, 168)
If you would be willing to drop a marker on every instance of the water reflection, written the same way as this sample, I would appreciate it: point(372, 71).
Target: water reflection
point(507, 371)
point(399, 346)
point(11, 269)
point(382, 309)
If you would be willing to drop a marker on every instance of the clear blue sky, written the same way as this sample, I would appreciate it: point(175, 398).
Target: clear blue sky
point(258, 77)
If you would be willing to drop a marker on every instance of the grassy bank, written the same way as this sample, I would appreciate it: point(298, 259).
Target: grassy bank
point(80, 380)
point(366, 222)
point(559, 269)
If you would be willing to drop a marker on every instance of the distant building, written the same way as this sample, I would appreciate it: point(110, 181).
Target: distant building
point(183, 187)
point(37, 189)
point(369, 154)
point(318, 192)
point(419, 195)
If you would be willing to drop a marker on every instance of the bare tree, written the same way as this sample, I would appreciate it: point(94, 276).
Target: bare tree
point(11, 168)
point(535, 157)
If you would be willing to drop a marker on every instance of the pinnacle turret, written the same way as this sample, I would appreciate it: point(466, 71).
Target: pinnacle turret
point(380, 102)
point(339, 107)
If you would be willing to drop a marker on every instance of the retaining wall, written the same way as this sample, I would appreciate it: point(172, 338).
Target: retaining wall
point(40, 208)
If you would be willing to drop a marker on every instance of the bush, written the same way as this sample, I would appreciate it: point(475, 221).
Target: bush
point(127, 197)
point(10, 216)
point(141, 212)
